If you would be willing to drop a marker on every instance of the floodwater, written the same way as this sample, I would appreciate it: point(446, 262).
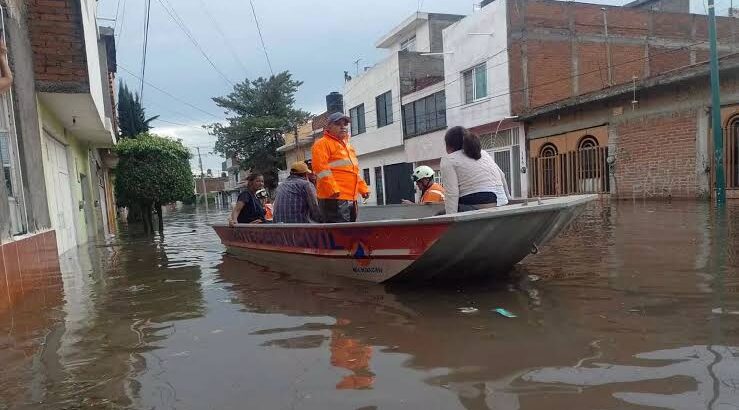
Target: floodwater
point(634, 307)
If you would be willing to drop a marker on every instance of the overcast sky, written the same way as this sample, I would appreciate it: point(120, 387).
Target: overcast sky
point(316, 40)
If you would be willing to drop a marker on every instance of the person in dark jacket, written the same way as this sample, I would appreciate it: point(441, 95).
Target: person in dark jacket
point(295, 201)
point(248, 208)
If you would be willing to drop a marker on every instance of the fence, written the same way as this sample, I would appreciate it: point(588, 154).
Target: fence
point(576, 172)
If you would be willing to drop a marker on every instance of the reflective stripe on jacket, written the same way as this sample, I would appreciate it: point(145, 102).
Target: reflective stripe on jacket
point(434, 194)
point(337, 169)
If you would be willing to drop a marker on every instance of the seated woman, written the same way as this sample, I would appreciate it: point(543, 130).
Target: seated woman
point(248, 208)
point(471, 177)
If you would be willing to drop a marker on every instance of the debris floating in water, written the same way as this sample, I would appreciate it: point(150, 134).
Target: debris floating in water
point(504, 312)
point(468, 310)
point(534, 278)
point(721, 311)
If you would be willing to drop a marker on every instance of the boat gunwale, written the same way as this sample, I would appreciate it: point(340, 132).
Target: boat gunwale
point(480, 214)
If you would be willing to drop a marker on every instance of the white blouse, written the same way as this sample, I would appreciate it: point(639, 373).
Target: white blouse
point(464, 175)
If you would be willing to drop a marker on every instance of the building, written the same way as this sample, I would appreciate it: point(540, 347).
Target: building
point(649, 139)
point(235, 176)
point(560, 51)
point(56, 129)
point(74, 67)
point(478, 87)
point(395, 101)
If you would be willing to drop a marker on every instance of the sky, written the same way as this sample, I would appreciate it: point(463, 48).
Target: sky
point(316, 40)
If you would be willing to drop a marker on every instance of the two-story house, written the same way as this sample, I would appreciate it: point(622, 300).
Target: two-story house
point(397, 101)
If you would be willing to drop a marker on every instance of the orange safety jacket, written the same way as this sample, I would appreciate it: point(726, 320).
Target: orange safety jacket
point(268, 212)
point(434, 194)
point(337, 169)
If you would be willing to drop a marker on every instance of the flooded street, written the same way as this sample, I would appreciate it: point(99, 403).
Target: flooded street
point(634, 306)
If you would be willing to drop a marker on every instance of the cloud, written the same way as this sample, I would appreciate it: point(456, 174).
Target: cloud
point(194, 136)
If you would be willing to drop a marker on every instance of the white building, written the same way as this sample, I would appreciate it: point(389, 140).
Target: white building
point(388, 106)
point(478, 89)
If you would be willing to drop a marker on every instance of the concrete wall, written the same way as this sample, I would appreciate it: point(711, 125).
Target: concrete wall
point(79, 164)
point(661, 145)
point(559, 49)
point(379, 79)
point(469, 51)
point(419, 71)
point(97, 81)
point(27, 123)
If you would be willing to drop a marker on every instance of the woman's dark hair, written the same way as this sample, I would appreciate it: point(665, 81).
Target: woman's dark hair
point(251, 177)
point(460, 138)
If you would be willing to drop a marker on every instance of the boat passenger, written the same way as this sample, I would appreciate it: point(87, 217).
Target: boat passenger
point(431, 192)
point(295, 201)
point(248, 208)
point(337, 171)
point(471, 176)
point(263, 198)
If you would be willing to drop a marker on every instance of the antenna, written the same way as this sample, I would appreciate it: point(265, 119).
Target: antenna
point(356, 64)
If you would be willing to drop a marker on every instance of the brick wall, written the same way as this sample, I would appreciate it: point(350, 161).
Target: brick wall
point(657, 156)
point(211, 184)
point(57, 40)
point(558, 49)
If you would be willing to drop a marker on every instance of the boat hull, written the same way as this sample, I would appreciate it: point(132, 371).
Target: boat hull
point(486, 242)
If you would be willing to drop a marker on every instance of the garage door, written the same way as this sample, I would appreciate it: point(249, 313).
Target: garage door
point(60, 193)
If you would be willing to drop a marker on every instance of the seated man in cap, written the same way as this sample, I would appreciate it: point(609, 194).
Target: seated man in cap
point(295, 201)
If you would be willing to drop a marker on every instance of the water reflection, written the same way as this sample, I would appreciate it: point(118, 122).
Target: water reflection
point(173, 322)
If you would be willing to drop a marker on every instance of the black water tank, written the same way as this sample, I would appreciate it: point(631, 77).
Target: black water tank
point(485, 2)
point(334, 103)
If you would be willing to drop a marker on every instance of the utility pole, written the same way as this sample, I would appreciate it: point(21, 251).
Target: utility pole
point(718, 135)
point(608, 46)
point(202, 178)
point(298, 153)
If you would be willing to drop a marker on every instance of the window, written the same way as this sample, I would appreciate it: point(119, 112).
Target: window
point(475, 83)
point(379, 186)
point(10, 164)
point(425, 115)
point(366, 173)
point(409, 44)
point(357, 116)
point(384, 105)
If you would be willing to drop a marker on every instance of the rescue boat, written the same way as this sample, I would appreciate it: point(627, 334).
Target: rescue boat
point(407, 242)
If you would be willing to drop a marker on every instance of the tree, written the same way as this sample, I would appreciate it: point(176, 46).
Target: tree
point(259, 112)
point(131, 116)
point(152, 171)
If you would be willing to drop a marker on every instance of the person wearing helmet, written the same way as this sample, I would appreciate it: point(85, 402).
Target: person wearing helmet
point(431, 192)
point(263, 197)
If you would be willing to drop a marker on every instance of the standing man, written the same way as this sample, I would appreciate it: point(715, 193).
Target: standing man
point(295, 202)
point(337, 171)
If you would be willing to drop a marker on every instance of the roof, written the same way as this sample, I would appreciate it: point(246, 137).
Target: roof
point(409, 26)
point(727, 62)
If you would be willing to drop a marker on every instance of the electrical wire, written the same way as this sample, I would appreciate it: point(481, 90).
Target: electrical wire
point(183, 27)
point(261, 37)
point(169, 94)
point(145, 46)
point(218, 29)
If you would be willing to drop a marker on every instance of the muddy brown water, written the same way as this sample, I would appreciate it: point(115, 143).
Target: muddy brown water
point(635, 306)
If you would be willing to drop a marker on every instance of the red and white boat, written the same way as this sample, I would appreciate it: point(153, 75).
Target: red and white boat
point(407, 243)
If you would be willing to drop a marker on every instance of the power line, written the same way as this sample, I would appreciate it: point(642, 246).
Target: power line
point(117, 9)
point(261, 38)
point(223, 36)
point(123, 20)
point(169, 94)
point(146, 44)
point(183, 27)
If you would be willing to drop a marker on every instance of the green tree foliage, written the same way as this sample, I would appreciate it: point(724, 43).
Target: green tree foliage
point(259, 112)
point(131, 116)
point(152, 171)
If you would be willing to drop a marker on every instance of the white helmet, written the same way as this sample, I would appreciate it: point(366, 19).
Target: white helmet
point(422, 172)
